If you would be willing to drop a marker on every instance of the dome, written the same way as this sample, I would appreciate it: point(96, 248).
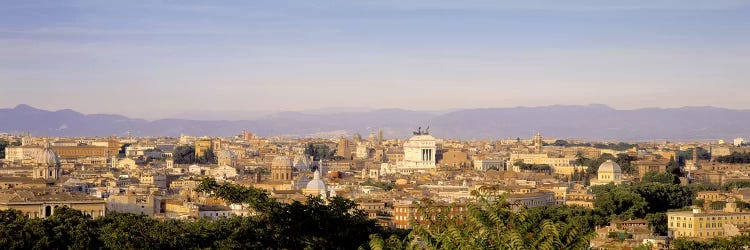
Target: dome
point(301, 161)
point(226, 153)
point(281, 161)
point(610, 167)
point(316, 183)
point(47, 157)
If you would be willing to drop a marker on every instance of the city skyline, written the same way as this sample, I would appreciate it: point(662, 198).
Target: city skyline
point(422, 55)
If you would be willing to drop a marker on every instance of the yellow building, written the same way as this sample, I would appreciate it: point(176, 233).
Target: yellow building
point(705, 225)
point(202, 147)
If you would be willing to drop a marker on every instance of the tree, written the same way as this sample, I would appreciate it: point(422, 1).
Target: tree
point(657, 222)
point(319, 151)
point(735, 157)
point(3, 145)
point(619, 201)
point(625, 162)
point(660, 177)
point(491, 223)
point(560, 143)
point(184, 154)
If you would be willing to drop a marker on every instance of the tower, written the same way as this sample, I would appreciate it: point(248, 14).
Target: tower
point(538, 142)
point(380, 136)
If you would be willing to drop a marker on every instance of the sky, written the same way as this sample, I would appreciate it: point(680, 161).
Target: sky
point(154, 59)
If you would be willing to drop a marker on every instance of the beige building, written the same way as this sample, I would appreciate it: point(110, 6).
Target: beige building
point(41, 203)
point(484, 165)
point(202, 147)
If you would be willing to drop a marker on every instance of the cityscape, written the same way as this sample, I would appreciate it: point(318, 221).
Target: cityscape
point(375, 125)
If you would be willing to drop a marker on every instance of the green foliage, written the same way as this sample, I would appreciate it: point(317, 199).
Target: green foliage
point(718, 205)
point(532, 167)
point(493, 224)
point(620, 146)
point(657, 222)
point(387, 186)
point(3, 145)
point(620, 201)
point(735, 157)
point(320, 151)
point(560, 143)
point(593, 164)
point(184, 154)
point(660, 177)
point(673, 167)
point(703, 154)
point(732, 185)
point(635, 201)
point(315, 224)
point(737, 242)
point(625, 162)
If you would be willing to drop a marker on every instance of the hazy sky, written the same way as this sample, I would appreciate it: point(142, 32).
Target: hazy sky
point(156, 58)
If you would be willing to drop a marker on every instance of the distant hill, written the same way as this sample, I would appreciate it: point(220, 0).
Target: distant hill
point(597, 122)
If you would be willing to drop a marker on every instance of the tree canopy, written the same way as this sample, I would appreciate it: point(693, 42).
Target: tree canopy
point(184, 154)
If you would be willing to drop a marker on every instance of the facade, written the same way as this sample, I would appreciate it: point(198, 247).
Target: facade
point(559, 165)
point(226, 158)
point(281, 169)
point(705, 225)
point(484, 165)
point(650, 166)
point(202, 147)
point(405, 213)
point(72, 152)
point(609, 172)
point(455, 159)
point(41, 203)
point(419, 156)
point(46, 165)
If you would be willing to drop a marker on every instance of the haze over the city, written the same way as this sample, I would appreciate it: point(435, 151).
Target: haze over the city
point(156, 59)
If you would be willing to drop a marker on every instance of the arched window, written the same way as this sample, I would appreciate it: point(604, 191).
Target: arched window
point(47, 211)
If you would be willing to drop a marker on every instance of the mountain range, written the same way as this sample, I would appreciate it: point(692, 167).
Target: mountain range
point(592, 122)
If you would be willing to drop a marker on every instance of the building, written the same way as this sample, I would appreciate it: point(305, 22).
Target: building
point(455, 159)
point(646, 166)
point(226, 158)
point(133, 204)
point(698, 224)
point(41, 203)
point(609, 172)
point(281, 169)
point(316, 187)
point(739, 141)
point(404, 213)
point(558, 165)
point(484, 165)
point(419, 155)
point(203, 147)
point(46, 164)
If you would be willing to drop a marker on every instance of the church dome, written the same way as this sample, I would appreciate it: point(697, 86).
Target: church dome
point(47, 157)
point(316, 184)
point(226, 153)
point(302, 162)
point(281, 161)
point(610, 167)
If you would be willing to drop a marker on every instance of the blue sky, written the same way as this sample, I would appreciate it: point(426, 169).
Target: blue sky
point(157, 58)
